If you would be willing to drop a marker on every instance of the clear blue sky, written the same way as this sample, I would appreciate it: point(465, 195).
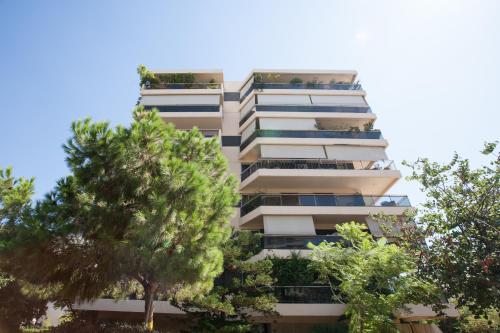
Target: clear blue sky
point(430, 67)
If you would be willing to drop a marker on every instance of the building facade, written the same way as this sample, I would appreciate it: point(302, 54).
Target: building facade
point(303, 144)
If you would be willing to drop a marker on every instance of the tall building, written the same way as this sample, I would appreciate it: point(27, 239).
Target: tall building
point(304, 146)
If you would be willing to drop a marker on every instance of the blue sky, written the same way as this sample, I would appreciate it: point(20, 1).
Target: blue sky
point(430, 67)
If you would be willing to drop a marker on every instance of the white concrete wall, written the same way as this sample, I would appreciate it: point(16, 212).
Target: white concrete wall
point(339, 100)
point(287, 124)
point(355, 153)
point(289, 225)
point(283, 99)
point(181, 100)
point(284, 151)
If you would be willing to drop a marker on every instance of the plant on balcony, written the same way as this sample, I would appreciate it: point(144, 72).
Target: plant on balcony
point(150, 79)
point(354, 129)
point(368, 126)
point(145, 203)
point(312, 84)
point(294, 271)
point(377, 279)
point(296, 80)
point(244, 287)
point(212, 84)
point(258, 78)
point(146, 77)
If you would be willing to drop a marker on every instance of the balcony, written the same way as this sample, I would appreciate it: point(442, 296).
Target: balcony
point(323, 200)
point(296, 242)
point(306, 109)
point(316, 164)
point(319, 176)
point(308, 85)
point(183, 108)
point(311, 134)
point(192, 85)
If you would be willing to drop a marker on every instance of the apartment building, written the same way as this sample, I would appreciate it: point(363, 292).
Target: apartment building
point(304, 146)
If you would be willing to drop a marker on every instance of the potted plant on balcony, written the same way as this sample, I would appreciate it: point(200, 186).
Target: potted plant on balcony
point(212, 84)
point(368, 126)
point(296, 81)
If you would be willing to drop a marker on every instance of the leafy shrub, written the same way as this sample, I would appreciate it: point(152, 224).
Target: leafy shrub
point(87, 326)
point(293, 271)
point(296, 80)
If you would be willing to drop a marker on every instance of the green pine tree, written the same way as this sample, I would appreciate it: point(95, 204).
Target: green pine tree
point(245, 287)
point(145, 203)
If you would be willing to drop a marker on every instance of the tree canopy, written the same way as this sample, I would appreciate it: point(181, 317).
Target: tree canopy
point(145, 202)
point(244, 288)
point(456, 232)
point(377, 279)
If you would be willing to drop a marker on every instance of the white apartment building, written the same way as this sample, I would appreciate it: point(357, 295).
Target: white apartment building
point(303, 145)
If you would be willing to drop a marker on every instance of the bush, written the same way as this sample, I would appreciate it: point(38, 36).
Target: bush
point(87, 326)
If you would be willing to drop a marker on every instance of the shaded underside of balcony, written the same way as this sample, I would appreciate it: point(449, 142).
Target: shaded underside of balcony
point(189, 116)
point(341, 181)
point(310, 134)
point(306, 109)
point(260, 86)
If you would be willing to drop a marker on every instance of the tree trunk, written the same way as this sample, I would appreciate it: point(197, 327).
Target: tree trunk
point(149, 297)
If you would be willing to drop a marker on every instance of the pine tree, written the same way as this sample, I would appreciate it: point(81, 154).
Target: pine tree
point(245, 287)
point(145, 203)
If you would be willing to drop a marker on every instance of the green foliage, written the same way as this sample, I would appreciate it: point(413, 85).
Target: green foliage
point(18, 305)
point(294, 271)
point(147, 76)
point(375, 277)
point(487, 323)
point(15, 199)
point(296, 80)
point(245, 286)
point(18, 301)
point(456, 232)
point(85, 326)
point(145, 203)
point(368, 126)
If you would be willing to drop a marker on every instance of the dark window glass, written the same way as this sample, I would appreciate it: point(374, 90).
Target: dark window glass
point(325, 200)
point(232, 141)
point(307, 200)
point(231, 96)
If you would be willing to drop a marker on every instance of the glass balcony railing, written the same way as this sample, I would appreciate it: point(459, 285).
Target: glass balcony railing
point(316, 164)
point(308, 85)
point(304, 294)
point(322, 200)
point(193, 85)
point(297, 242)
point(316, 134)
point(306, 108)
point(184, 108)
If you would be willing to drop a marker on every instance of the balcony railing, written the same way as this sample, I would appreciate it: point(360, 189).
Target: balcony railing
point(308, 85)
point(184, 108)
point(306, 108)
point(297, 242)
point(324, 200)
point(163, 85)
point(304, 294)
point(316, 134)
point(316, 164)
